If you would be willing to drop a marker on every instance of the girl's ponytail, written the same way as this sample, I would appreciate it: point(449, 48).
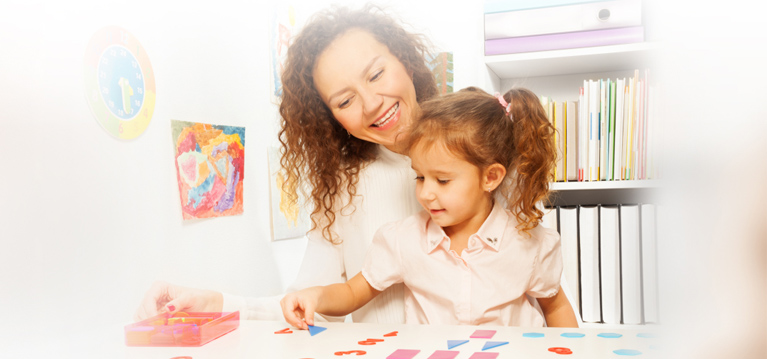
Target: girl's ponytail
point(533, 159)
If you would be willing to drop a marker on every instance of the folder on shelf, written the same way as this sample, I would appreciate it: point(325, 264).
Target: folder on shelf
point(609, 263)
point(561, 41)
point(571, 129)
point(631, 268)
point(589, 263)
point(568, 231)
point(550, 219)
point(516, 21)
point(649, 263)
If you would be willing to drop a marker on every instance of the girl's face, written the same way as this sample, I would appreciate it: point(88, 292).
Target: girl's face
point(368, 89)
point(450, 189)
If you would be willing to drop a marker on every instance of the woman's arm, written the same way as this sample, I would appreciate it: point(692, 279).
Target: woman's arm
point(336, 299)
point(558, 311)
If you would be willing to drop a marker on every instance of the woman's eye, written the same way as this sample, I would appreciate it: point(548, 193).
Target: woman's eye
point(344, 103)
point(419, 178)
point(442, 181)
point(377, 75)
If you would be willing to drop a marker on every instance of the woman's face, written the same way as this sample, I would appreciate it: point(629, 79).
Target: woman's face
point(367, 88)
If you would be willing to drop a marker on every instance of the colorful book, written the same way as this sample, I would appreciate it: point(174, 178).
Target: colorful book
point(559, 125)
point(602, 130)
point(569, 40)
point(571, 130)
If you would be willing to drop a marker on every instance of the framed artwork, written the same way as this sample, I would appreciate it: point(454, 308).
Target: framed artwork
point(290, 217)
point(209, 163)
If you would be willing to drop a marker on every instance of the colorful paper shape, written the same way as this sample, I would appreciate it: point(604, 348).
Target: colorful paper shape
point(454, 343)
point(491, 345)
point(403, 354)
point(628, 352)
point(483, 334)
point(479, 355)
point(609, 335)
point(444, 354)
point(573, 335)
point(314, 330)
point(210, 162)
point(533, 335)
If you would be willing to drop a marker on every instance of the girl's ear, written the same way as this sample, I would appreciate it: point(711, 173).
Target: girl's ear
point(493, 176)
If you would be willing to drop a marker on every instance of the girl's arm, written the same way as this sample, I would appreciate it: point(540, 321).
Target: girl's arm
point(336, 299)
point(558, 311)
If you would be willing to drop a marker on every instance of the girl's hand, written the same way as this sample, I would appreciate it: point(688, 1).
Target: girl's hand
point(298, 307)
point(165, 297)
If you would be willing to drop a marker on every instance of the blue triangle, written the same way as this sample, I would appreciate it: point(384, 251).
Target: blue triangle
point(454, 343)
point(316, 330)
point(491, 345)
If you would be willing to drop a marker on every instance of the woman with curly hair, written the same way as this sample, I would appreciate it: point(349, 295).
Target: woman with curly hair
point(352, 83)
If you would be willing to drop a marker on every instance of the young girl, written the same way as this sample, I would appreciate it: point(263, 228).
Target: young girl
point(465, 259)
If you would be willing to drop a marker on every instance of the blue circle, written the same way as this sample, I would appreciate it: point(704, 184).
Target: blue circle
point(573, 335)
point(121, 82)
point(533, 335)
point(609, 335)
point(629, 352)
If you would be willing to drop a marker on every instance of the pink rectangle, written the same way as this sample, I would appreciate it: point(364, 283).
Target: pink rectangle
point(567, 40)
point(479, 355)
point(486, 334)
point(444, 354)
point(403, 354)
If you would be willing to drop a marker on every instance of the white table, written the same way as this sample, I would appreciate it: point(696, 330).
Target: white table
point(257, 339)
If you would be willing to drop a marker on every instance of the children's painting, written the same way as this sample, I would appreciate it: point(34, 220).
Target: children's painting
point(283, 27)
point(210, 163)
point(441, 65)
point(290, 218)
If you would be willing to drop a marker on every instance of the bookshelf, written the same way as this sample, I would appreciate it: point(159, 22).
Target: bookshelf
point(559, 74)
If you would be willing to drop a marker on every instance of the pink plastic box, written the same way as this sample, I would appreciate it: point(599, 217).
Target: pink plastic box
point(182, 329)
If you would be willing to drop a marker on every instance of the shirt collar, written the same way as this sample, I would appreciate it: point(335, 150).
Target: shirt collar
point(490, 233)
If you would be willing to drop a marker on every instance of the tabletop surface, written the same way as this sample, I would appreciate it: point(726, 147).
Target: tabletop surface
point(273, 339)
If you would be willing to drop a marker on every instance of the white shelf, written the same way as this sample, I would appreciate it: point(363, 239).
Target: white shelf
point(598, 185)
point(572, 61)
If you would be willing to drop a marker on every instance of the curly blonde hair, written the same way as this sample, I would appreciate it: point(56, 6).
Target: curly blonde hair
point(473, 125)
point(315, 148)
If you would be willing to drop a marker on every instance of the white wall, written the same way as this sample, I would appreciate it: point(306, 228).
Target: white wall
point(88, 221)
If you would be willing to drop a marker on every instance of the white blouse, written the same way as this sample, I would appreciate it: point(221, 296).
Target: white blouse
point(385, 193)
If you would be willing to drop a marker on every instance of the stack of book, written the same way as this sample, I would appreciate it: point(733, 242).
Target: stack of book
point(528, 26)
point(609, 260)
point(609, 133)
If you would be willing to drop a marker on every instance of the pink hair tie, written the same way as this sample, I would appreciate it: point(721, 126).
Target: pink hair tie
point(506, 105)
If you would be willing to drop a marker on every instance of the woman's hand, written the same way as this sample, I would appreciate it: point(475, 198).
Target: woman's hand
point(165, 297)
point(298, 307)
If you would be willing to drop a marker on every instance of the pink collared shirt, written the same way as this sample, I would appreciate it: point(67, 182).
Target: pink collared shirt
point(493, 281)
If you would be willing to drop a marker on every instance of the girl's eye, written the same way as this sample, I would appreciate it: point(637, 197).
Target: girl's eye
point(377, 75)
point(419, 178)
point(441, 181)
